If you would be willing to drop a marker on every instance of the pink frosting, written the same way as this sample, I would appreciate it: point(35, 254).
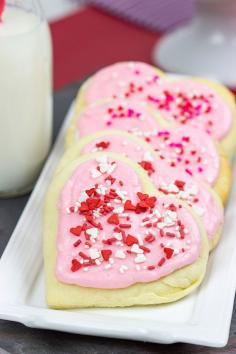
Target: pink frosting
point(192, 191)
point(119, 114)
point(167, 241)
point(192, 103)
point(188, 148)
point(183, 101)
point(197, 156)
point(122, 80)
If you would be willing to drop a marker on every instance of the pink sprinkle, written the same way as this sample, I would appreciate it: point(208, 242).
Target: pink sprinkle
point(188, 171)
point(130, 112)
point(163, 132)
point(177, 145)
point(108, 123)
point(155, 78)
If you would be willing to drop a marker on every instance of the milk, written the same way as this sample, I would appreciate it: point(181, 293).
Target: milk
point(25, 99)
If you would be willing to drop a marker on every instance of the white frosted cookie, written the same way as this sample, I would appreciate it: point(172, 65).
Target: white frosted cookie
point(197, 194)
point(111, 241)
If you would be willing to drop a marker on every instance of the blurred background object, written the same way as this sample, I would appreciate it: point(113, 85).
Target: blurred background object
point(26, 95)
point(156, 15)
point(89, 34)
point(205, 47)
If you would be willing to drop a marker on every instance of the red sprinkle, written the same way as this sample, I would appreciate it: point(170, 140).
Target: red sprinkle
point(125, 226)
point(76, 230)
point(90, 191)
point(149, 238)
point(161, 262)
point(151, 267)
point(168, 252)
point(180, 184)
point(142, 196)
point(147, 166)
point(162, 233)
point(106, 254)
point(172, 207)
point(83, 255)
point(75, 265)
point(128, 205)
point(145, 249)
point(103, 144)
point(113, 219)
point(170, 234)
point(130, 240)
point(77, 243)
point(151, 201)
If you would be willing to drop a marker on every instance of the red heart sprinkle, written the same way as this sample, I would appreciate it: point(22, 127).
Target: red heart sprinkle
point(128, 205)
point(151, 201)
point(92, 203)
point(168, 252)
point(76, 230)
point(106, 254)
point(142, 196)
point(180, 184)
point(130, 240)
point(113, 219)
point(83, 207)
point(90, 191)
point(75, 265)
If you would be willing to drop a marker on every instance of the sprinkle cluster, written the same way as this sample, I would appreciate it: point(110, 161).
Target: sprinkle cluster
point(184, 191)
point(177, 151)
point(185, 106)
point(108, 203)
point(136, 87)
point(121, 111)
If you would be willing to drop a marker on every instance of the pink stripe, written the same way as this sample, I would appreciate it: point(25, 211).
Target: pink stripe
point(153, 14)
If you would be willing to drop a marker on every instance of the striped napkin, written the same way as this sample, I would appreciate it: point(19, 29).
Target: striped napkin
point(156, 15)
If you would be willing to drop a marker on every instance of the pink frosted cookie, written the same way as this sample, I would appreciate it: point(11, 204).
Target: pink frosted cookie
point(200, 103)
point(121, 80)
point(111, 240)
point(189, 148)
point(126, 115)
point(196, 102)
point(194, 152)
point(198, 195)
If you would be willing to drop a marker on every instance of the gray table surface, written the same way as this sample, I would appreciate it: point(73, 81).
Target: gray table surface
point(16, 338)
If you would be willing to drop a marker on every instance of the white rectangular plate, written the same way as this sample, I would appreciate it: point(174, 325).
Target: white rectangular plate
point(202, 318)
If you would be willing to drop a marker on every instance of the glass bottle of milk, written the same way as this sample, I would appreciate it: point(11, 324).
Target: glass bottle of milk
point(25, 95)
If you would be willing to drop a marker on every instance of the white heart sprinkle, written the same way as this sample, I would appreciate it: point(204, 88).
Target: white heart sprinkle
point(135, 248)
point(120, 254)
point(140, 258)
